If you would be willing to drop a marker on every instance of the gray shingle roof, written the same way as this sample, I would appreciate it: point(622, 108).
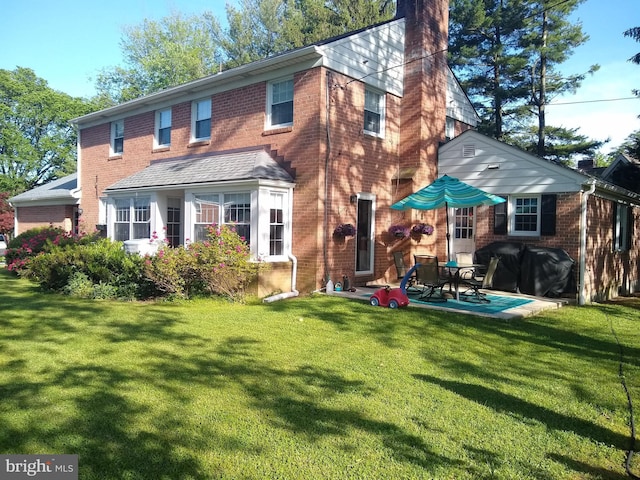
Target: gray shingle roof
point(58, 190)
point(230, 166)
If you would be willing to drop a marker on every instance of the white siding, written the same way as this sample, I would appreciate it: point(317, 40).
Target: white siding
point(458, 105)
point(375, 55)
point(501, 169)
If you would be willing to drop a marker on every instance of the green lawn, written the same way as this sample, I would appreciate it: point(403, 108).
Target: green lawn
point(315, 388)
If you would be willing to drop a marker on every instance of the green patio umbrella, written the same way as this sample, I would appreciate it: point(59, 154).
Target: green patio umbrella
point(447, 192)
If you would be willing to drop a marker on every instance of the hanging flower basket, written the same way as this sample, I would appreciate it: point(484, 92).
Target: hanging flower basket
point(399, 231)
point(344, 230)
point(422, 229)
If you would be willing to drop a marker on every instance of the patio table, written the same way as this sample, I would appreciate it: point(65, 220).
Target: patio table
point(454, 273)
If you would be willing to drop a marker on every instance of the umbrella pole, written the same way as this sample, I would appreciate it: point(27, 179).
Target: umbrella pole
point(446, 207)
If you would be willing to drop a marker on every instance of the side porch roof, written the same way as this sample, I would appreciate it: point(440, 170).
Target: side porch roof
point(63, 191)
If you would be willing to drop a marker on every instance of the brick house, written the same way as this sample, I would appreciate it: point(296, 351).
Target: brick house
point(292, 146)
point(288, 148)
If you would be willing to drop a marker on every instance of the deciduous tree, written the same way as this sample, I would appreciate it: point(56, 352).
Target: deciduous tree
point(37, 142)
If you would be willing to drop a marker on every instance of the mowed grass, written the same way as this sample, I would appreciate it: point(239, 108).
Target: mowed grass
point(315, 388)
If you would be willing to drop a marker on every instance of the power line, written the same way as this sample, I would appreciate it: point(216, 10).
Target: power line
point(592, 101)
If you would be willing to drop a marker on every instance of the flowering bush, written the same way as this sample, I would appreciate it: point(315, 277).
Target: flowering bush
point(35, 241)
point(219, 265)
point(422, 229)
point(345, 230)
point(399, 231)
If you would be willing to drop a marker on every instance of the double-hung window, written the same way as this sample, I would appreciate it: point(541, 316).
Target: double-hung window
point(201, 120)
point(276, 223)
point(280, 103)
point(222, 208)
point(163, 128)
point(117, 137)
point(132, 218)
point(526, 215)
point(374, 113)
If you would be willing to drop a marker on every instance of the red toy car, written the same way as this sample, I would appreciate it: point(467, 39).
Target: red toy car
point(389, 297)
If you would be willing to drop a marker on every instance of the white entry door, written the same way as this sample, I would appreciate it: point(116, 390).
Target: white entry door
point(462, 230)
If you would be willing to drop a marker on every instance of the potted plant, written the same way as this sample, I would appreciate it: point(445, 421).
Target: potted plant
point(422, 229)
point(344, 230)
point(399, 231)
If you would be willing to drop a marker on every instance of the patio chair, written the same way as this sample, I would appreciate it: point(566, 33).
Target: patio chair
point(430, 277)
point(402, 269)
point(474, 280)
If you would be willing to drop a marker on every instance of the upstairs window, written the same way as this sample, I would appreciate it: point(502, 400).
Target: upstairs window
point(117, 137)
point(280, 103)
point(201, 120)
point(373, 113)
point(163, 128)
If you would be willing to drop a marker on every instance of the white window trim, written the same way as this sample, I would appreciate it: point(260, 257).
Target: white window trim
point(194, 113)
point(111, 213)
point(512, 216)
point(112, 142)
point(269, 124)
point(260, 210)
point(382, 113)
point(156, 139)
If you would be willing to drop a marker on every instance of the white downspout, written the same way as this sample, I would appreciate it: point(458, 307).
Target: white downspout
point(583, 242)
point(293, 292)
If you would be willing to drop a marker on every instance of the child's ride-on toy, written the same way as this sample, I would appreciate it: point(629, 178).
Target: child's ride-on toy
point(393, 297)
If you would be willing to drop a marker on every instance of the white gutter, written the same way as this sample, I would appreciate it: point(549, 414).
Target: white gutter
point(583, 242)
point(293, 292)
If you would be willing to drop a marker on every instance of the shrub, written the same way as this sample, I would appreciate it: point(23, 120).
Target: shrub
point(106, 266)
point(31, 243)
point(220, 265)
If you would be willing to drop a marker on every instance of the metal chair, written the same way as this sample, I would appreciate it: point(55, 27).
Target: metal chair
point(474, 281)
point(402, 269)
point(429, 276)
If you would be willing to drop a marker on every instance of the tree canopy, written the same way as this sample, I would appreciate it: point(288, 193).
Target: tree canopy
point(178, 48)
point(506, 54)
point(37, 142)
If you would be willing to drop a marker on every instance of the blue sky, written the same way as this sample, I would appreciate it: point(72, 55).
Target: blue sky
point(67, 42)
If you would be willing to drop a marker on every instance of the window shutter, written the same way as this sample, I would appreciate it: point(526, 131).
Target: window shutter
point(500, 218)
point(629, 228)
point(614, 227)
point(548, 215)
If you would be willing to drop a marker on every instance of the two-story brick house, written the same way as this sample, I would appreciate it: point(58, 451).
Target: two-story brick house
point(287, 148)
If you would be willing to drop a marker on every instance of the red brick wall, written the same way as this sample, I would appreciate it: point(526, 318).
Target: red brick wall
point(238, 120)
point(609, 273)
point(415, 124)
point(54, 215)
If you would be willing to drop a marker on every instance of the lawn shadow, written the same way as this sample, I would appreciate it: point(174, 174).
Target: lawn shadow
point(593, 472)
point(510, 405)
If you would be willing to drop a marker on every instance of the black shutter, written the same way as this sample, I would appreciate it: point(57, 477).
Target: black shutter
point(500, 218)
point(615, 227)
point(630, 223)
point(548, 215)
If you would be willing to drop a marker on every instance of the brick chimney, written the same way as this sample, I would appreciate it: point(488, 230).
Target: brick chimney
point(423, 117)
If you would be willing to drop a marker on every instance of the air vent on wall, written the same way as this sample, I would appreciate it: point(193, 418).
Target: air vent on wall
point(468, 151)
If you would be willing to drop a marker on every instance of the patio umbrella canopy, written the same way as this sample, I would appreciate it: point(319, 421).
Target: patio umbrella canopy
point(447, 192)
